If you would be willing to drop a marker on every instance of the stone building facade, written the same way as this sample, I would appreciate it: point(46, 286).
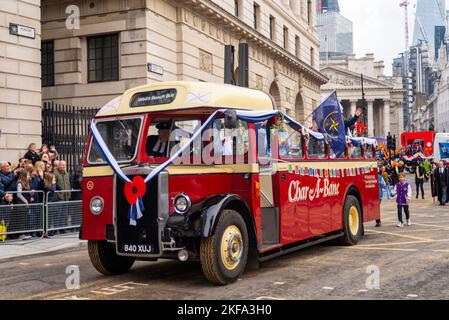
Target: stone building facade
point(20, 73)
point(121, 44)
point(383, 94)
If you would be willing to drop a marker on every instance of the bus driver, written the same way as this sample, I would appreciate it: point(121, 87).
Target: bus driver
point(157, 145)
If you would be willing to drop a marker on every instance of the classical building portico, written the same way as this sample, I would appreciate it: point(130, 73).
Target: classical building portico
point(383, 95)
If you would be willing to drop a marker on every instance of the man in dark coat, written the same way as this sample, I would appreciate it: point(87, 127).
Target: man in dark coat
point(350, 123)
point(7, 177)
point(157, 146)
point(441, 182)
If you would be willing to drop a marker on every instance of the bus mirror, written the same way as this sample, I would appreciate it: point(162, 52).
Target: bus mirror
point(230, 119)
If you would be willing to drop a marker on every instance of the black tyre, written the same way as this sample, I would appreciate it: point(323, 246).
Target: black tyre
point(352, 222)
point(224, 255)
point(104, 258)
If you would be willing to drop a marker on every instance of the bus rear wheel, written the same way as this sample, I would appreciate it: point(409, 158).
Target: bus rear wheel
point(352, 222)
point(223, 256)
point(104, 258)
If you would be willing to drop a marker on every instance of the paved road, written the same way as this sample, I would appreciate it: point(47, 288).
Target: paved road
point(413, 263)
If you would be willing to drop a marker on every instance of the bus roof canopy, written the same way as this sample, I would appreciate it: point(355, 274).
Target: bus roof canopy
point(169, 96)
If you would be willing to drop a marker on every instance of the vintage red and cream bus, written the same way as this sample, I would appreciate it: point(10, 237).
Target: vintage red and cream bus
point(211, 172)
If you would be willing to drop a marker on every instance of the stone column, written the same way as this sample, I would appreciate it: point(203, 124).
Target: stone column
point(295, 5)
point(370, 118)
point(353, 107)
point(386, 117)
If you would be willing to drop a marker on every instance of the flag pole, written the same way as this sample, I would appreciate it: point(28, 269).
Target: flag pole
point(363, 102)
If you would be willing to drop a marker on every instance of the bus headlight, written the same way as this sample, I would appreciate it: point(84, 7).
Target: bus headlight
point(96, 205)
point(182, 203)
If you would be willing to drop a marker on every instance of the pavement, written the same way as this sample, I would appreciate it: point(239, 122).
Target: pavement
point(407, 263)
point(21, 248)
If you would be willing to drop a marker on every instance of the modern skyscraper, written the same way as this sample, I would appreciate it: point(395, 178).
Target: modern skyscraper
point(429, 14)
point(334, 30)
point(328, 5)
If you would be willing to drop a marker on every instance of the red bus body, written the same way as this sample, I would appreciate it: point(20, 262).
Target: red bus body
point(308, 197)
point(425, 139)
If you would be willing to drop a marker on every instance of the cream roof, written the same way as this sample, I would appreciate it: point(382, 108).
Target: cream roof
point(192, 95)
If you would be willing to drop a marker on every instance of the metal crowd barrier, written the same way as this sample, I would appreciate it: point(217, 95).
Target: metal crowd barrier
point(46, 213)
point(63, 210)
point(18, 218)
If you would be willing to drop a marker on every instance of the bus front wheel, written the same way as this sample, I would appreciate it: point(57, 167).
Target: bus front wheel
point(352, 222)
point(104, 258)
point(223, 256)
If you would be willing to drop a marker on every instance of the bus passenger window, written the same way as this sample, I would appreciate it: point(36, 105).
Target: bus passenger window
point(355, 152)
point(316, 148)
point(231, 142)
point(262, 141)
point(166, 136)
point(369, 152)
point(290, 143)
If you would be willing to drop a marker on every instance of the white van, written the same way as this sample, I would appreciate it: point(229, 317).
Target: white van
point(441, 147)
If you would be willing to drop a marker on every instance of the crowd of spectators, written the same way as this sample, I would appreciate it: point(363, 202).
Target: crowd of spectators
point(37, 175)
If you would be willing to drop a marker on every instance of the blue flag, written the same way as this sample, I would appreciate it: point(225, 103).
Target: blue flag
point(329, 119)
point(444, 150)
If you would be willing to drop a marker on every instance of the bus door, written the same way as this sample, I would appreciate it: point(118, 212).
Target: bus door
point(268, 202)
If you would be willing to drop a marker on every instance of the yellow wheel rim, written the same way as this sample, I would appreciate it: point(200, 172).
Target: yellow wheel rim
point(231, 247)
point(354, 220)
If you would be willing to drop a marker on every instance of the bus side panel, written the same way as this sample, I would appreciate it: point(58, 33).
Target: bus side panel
point(94, 227)
point(294, 215)
point(370, 196)
point(200, 186)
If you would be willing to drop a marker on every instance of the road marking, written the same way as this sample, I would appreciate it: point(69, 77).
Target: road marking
point(402, 243)
point(412, 296)
point(279, 283)
point(23, 263)
point(380, 249)
point(328, 288)
point(401, 235)
point(268, 298)
point(75, 297)
point(363, 290)
point(432, 225)
point(48, 264)
point(441, 251)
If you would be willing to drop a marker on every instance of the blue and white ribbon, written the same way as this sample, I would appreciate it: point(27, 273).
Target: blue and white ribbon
point(136, 210)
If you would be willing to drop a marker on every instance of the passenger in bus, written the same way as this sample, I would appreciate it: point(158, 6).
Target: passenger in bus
point(350, 123)
point(284, 141)
point(156, 146)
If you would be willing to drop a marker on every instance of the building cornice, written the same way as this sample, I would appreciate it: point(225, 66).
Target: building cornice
point(215, 12)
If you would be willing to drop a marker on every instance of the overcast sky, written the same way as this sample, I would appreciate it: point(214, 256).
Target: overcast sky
point(379, 27)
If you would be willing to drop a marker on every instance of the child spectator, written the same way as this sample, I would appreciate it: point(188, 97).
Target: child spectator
point(403, 192)
point(44, 149)
point(32, 154)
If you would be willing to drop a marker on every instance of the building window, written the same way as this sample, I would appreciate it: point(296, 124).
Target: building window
point(309, 12)
point(297, 47)
point(312, 57)
point(48, 64)
point(272, 28)
point(285, 37)
point(103, 58)
point(236, 8)
point(256, 12)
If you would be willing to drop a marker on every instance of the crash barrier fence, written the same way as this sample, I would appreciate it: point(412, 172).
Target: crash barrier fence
point(42, 213)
